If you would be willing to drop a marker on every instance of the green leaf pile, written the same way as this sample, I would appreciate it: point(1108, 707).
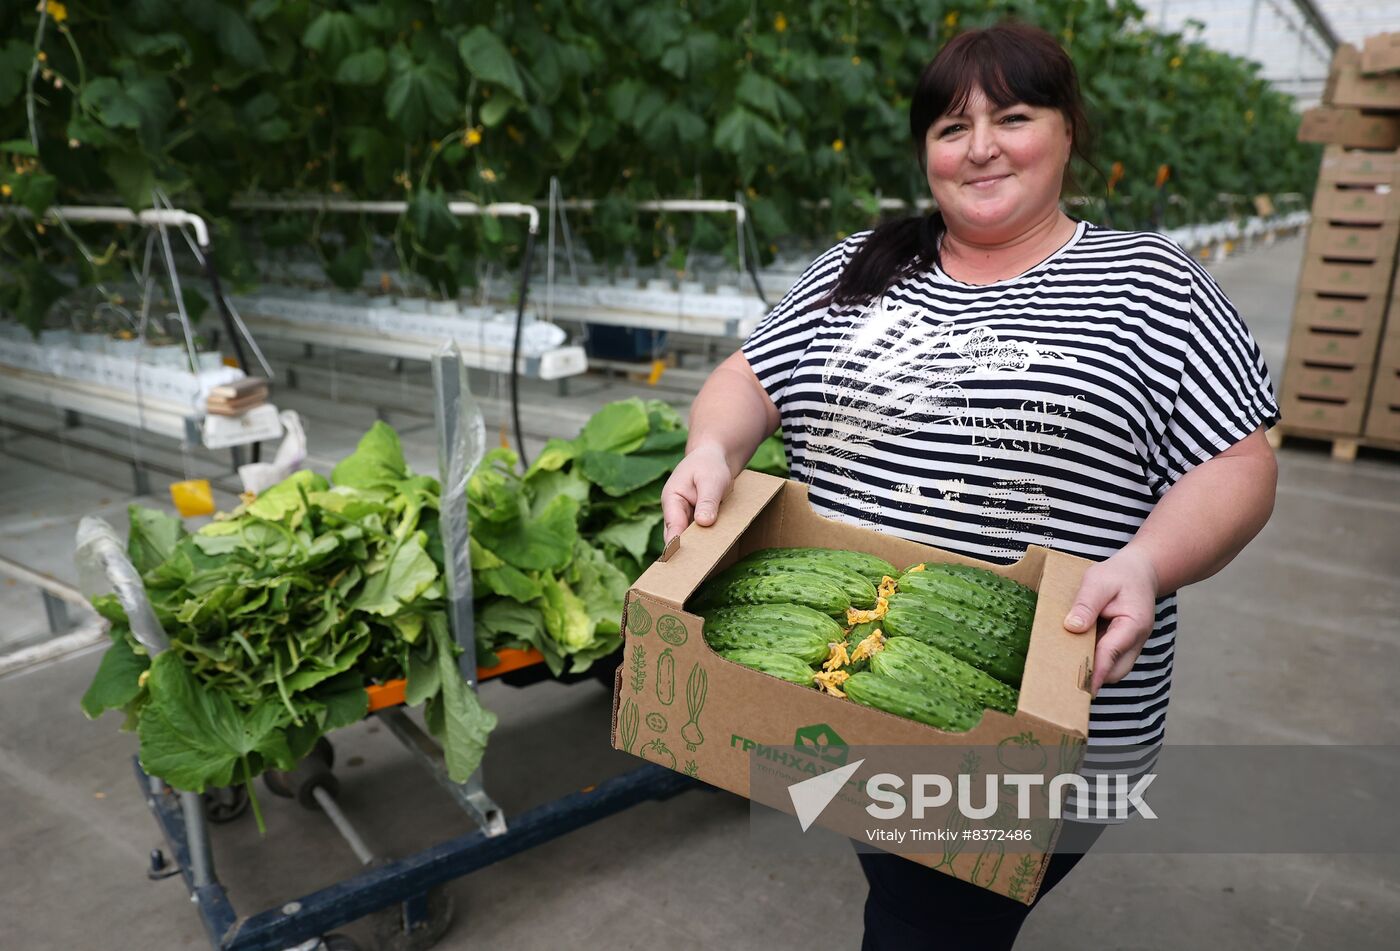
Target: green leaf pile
point(555, 548)
point(280, 614)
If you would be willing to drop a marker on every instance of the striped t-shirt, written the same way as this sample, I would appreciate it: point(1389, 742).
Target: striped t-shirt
point(1053, 408)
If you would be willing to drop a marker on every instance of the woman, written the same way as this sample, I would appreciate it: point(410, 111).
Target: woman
point(997, 375)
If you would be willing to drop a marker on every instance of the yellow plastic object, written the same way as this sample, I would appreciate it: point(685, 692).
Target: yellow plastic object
point(193, 497)
point(658, 367)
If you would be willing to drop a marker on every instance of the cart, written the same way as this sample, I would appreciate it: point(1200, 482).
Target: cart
point(404, 890)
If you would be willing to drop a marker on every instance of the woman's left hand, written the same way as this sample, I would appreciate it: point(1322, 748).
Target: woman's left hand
point(1119, 594)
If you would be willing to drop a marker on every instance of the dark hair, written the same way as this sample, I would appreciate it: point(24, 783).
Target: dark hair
point(1011, 62)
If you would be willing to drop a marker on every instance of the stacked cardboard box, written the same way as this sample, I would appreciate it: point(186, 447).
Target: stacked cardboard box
point(1345, 288)
point(1380, 59)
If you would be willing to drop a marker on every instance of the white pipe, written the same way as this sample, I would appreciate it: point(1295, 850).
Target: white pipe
point(463, 209)
point(699, 205)
point(150, 216)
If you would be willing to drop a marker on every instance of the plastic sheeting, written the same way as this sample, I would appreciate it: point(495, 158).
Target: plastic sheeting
point(461, 431)
point(103, 564)
point(257, 476)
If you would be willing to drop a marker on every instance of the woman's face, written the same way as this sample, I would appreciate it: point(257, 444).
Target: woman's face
point(996, 172)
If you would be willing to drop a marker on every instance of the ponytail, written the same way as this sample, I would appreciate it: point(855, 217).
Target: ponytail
point(893, 250)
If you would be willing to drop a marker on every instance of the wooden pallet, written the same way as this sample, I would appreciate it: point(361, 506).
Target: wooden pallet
point(1344, 448)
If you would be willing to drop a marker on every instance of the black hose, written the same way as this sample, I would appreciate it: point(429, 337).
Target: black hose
point(751, 260)
point(226, 318)
point(212, 273)
point(515, 349)
point(753, 273)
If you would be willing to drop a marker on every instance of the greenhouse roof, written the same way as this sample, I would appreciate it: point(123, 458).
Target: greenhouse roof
point(1291, 39)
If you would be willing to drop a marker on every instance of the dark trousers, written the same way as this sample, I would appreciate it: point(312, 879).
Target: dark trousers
point(913, 908)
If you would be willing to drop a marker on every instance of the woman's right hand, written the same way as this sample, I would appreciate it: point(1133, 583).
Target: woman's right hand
point(696, 488)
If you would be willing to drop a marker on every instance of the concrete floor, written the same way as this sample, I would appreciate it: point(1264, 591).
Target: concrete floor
point(1298, 641)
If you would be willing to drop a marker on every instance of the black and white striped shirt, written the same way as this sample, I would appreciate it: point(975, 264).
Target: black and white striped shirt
point(1054, 408)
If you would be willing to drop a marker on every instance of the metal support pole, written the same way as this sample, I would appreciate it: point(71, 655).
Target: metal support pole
point(461, 435)
point(342, 825)
point(1253, 24)
point(461, 443)
point(1298, 60)
point(201, 858)
point(471, 795)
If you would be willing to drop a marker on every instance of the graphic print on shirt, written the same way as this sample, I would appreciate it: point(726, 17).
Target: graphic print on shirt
point(889, 375)
point(1016, 510)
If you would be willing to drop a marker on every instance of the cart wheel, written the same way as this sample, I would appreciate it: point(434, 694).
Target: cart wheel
point(392, 933)
point(225, 803)
point(313, 772)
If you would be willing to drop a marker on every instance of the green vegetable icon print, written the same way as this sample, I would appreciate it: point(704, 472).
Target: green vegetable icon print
point(638, 620)
point(658, 752)
point(1021, 753)
point(627, 724)
point(666, 678)
point(696, 686)
point(671, 630)
point(638, 669)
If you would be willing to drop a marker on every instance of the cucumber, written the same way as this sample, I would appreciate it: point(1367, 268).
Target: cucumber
point(915, 663)
point(804, 588)
point(774, 664)
point(995, 647)
point(873, 569)
point(791, 629)
point(943, 710)
point(980, 577)
point(967, 592)
point(853, 583)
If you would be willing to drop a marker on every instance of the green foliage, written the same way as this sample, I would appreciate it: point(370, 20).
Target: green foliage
point(555, 549)
point(280, 614)
point(804, 111)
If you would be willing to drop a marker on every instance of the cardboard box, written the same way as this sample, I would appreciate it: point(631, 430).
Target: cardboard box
point(1356, 205)
point(1387, 379)
point(1348, 88)
point(1383, 422)
point(1332, 415)
point(1341, 165)
point(1380, 53)
point(1354, 242)
point(1333, 347)
point(746, 714)
point(1383, 416)
point(1349, 127)
point(1358, 278)
point(1316, 310)
point(1326, 379)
